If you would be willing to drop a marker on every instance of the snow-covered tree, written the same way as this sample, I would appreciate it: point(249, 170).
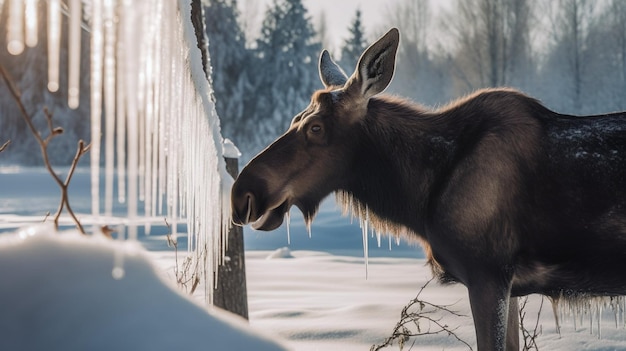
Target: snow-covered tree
point(564, 73)
point(230, 68)
point(492, 43)
point(286, 58)
point(354, 46)
point(420, 73)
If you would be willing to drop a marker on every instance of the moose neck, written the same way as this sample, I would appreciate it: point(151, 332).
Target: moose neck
point(402, 156)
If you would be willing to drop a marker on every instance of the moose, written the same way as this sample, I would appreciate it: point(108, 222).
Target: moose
point(506, 196)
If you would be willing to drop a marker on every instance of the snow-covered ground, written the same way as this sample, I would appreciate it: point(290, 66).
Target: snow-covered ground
point(313, 296)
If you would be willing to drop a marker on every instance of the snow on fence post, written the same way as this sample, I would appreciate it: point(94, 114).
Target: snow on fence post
point(230, 290)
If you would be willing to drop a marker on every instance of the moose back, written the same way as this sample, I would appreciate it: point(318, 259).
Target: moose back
point(506, 196)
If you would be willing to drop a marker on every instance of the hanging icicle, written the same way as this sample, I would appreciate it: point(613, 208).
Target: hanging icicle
point(73, 67)
point(97, 45)
point(32, 18)
point(109, 102)
point(15, 28)
point(54, 44)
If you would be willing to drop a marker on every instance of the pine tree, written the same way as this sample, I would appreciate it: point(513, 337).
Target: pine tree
point(354, 45)
point(229, 60)
point(286, 57)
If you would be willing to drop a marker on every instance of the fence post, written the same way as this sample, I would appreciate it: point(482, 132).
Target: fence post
point(231, 292)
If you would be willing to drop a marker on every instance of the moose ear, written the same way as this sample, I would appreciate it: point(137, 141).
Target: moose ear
point(376, 66)
point(330, 73)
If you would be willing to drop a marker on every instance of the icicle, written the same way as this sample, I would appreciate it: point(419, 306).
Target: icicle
point(109, 103)
point(54, 45)
point(130, 67)
point(308, 226)
point(73, 92)
point(15, 28)
point(96, 100)
point(31, 23)
point(120, 121)
point(599, 318)
point(364, 228)
point(389, 236)
point(288, 220)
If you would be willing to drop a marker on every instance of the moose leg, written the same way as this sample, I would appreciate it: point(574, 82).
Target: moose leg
point(512, 329)
point(489, 300)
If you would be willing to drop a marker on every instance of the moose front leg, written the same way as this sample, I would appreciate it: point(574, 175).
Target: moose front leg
point(490, 303)
point(513, 327)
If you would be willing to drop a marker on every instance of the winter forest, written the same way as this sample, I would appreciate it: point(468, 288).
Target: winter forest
point(570, 54)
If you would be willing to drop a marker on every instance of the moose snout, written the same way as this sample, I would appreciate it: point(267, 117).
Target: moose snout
point(242, 208)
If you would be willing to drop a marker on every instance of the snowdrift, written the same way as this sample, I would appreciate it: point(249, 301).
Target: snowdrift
point(58, 293)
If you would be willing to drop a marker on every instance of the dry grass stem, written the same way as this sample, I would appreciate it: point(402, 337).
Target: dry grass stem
point(419, 318)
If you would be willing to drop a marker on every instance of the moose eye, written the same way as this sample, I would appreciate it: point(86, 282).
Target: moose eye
point(316, 129)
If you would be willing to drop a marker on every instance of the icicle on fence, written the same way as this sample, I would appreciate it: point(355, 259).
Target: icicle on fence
point(148, 83)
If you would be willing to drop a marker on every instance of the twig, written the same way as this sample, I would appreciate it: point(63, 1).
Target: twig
point(402, 332)
point(529, 336)
point(43, 145)
point(4, 146)
point(184, 275)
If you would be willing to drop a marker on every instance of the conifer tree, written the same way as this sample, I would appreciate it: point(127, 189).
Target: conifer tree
point(354, 45)
point(229, 60)
point(286, 57)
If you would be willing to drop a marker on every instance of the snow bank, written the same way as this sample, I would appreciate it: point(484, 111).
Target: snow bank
point(319, 301)
point(283, 252)
point(58, 293)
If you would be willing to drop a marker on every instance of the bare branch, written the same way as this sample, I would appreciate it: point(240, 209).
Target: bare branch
point(4, 146)
point(529, 336)
point(412, 323)
point(43, 145)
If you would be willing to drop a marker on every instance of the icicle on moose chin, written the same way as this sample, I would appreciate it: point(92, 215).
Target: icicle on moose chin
point(364, 222)
point(308, 221)
point(288, 222)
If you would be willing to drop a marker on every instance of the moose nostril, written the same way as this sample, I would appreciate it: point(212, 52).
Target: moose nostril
point(249, 204)
point(243, 208)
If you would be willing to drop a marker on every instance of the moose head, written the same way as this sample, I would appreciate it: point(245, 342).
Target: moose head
point(313, 157)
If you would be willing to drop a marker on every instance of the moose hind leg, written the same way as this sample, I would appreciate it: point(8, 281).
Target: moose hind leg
point(489, 300)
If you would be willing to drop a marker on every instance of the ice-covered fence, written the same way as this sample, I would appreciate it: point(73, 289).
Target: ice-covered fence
point(149, 91)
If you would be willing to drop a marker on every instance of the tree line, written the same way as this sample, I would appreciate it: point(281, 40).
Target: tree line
point(570, 54)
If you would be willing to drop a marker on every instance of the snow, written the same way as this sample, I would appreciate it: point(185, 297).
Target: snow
point(283, 252)
point(229, 150)
point(57, 293)
point(63, 291)
point(319, 299)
